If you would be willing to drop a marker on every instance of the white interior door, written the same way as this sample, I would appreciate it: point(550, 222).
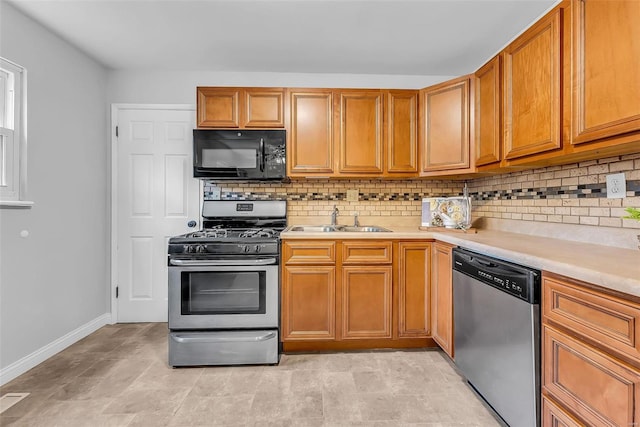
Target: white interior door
point(155, 198)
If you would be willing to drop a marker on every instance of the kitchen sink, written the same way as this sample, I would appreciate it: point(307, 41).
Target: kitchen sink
point(313, 228)
point(363, 229)
point(336, 228)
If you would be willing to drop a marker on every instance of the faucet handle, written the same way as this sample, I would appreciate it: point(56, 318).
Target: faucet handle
point(356, 223)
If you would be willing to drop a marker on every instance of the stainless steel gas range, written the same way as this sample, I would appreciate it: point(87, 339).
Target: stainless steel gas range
point(224, 286)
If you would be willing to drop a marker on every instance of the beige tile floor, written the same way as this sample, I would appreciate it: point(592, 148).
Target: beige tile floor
point(119, 376)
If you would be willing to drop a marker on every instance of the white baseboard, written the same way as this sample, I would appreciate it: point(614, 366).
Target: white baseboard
point(23, 365)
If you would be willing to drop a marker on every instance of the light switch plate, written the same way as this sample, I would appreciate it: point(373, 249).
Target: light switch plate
point(352, 195)
point(616, 186)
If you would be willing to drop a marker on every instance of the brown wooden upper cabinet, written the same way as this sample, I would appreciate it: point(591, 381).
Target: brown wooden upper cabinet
point(445, 122)
point(352, 133)
point(361, 135)
point(606, 66)
point(488, 115)
point(310, 141)
point(233, 107)
point(401, 132)
point(532, 89)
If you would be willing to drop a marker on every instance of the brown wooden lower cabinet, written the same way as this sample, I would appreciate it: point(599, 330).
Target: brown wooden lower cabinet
point(414, 299)
point(366, 302)
point(354, 294)
point(554, 416)
point(308, 302)
point(599, 389)
point(591, 372)
point(442, 295)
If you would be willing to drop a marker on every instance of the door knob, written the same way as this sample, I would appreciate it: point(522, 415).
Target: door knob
point(192, 224)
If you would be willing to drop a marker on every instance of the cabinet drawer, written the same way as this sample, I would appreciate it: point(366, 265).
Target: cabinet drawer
point(596, 387)
point(309, 252)
point(605, 319)
point(553, 415)
point(365, 252)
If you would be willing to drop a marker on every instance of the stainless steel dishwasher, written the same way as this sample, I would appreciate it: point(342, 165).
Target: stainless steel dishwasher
point(496, 307)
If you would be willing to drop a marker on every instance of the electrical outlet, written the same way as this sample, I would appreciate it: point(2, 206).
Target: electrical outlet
point(616, 186)
point(352, 195)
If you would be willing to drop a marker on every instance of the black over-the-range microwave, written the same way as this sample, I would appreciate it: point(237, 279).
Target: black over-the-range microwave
point(241, 154)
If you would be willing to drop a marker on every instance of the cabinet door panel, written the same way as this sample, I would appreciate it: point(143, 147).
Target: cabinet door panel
point(591, 384)
point(310, 141)
point(402, 132)
point(532, 101)
point(446, 127)
point(606, 63)
point(366, 302)
point(414, 262)
point(264, 108)
point(308, 303)
point(554, 416)
point(218, 107)
point(361, 132)
point(442, 297)
point(488, 113)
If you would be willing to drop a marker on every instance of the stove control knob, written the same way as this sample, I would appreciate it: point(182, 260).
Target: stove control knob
point(246, 248)
point(186, 249)
point(201, 249)
point(257, 248)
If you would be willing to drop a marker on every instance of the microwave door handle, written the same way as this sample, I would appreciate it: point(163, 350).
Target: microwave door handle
point(261, 155)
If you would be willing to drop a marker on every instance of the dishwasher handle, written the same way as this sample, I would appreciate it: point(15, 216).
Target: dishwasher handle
point(497, 268)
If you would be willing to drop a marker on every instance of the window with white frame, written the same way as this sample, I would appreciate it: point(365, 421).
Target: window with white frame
point(12, 133)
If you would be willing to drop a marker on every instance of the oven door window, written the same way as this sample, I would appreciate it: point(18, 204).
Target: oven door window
point(223, 292)
point(229, 158)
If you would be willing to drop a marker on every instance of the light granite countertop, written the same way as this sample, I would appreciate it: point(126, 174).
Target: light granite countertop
point(610, 267)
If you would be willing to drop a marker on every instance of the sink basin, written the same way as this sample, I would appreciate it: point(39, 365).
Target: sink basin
point(336, 228)
point(364, 229)
point(313, 228)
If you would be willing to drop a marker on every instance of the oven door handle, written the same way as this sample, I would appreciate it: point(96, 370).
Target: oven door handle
point(212, 262)
point(210, 339)
point(261, 154)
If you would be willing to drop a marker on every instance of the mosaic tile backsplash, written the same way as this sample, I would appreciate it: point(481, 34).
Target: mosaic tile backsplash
point(570, 194)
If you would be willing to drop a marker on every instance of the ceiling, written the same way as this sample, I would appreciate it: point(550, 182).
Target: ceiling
point(386, 37)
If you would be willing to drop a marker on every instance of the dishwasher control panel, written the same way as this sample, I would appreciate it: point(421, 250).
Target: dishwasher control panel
point(517, 280)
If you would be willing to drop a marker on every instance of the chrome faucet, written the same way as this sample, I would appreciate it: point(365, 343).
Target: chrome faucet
point(334, 215)
point(356, 223)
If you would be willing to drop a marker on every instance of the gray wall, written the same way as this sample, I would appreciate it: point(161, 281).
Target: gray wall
point(57, 279)
point(179, 87)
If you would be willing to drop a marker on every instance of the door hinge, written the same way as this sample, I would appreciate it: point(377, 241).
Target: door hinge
point(117, 291)
point(116, 131)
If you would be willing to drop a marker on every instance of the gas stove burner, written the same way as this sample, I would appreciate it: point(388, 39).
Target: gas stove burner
point(258, 232)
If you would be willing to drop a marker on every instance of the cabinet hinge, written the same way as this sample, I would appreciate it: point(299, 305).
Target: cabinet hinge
point(117, 291)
